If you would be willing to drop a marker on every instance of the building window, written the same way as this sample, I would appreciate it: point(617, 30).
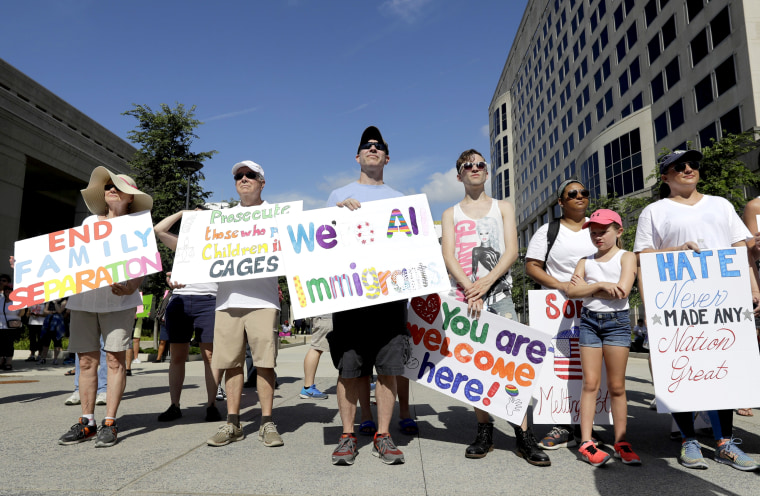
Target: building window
point(676, 114)
point(505, 149)
point(725, 75)
point(597, 16)
point(708, 134)
point(653, 48)
point(623, 164)
point(661, 126)
point(636, 104)
point(698, 47)
point(669, 120)
point(600, 43)
point(581, 72)
point(590, 175)
point(672, 73)
point(720, 27)
point(604, 105)
point(669, 32)
point(731, 122)
point(694, 7)
point(650, 12)
point(630, 76)
point(704, 93)
point(504, 116)
point(506, 184)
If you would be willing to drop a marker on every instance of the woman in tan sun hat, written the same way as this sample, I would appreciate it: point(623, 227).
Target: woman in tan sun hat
point(108, 312)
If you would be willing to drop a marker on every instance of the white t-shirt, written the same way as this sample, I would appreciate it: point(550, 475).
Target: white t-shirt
point(568, 249)
point(102, 300)
point(712, 223)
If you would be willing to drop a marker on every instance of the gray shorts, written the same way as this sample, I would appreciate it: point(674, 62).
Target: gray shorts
point(321, 325)
point(115, 327)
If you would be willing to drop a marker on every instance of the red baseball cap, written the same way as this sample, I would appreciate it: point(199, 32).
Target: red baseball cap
point(604, 217)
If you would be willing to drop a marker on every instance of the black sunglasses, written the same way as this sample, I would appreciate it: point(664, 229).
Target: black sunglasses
point(107, 187)
point(379, 146)
point(249, 174)
point(469, 165)
point(573, 193)
point(681, 166)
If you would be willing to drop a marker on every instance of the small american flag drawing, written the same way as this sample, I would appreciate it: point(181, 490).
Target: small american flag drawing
point(567, 356)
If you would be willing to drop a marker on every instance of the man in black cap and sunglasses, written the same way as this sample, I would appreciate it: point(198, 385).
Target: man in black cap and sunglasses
point(479, 247)
point(381, 341)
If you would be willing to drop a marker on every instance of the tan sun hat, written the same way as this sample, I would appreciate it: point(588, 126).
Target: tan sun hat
point(94, 195)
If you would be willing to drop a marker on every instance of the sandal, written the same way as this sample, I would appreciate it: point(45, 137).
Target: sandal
point(745, 412)
point(409, 426)
point(71, 372)
point(368, 428)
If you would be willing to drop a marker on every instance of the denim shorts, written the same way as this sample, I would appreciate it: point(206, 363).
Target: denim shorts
point(605, 328)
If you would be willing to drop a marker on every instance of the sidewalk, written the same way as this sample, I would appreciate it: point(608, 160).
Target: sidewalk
point(170, 459)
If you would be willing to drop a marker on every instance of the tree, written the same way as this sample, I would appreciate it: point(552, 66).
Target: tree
point(165, 138)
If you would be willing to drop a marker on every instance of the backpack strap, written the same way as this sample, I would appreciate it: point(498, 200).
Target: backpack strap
point(551, 237)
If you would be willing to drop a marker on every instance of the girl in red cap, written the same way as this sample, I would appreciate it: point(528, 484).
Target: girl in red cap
point(604, 281)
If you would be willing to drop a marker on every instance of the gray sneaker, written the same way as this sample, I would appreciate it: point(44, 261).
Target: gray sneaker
point(106, 435)
point(384, 448)
point(73, 399)
point(269, 436)
point(226, 434)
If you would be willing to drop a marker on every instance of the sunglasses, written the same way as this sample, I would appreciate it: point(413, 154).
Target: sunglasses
point(469, 165)
point(107, 187)
point(681, 166)
point(249, 175)
point(573, 193)
point(378, 146)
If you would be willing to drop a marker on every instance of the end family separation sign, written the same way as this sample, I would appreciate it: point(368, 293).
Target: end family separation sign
point(338, 259)
point(231, 244)
point(701, 329)
point(96, 254)
point(492, 363)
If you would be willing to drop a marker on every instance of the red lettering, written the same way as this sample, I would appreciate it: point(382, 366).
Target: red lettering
point(102, 229)
point(54, 240)
point(432, 339)
point(551, 309)
point(445, 347)
point(28, 296)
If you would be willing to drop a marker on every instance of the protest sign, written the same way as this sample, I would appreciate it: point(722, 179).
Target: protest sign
point(96, 254)
point(143, 311)
point(491, 363)
point(558, 393)
point(231, 244)
point(701, 329)
point(338, 259)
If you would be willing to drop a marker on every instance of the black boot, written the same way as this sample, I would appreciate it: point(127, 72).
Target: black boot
point(527, 447)
point(483, 442)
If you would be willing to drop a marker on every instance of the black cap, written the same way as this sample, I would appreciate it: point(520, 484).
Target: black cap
point(678, 156)
point(373, 133)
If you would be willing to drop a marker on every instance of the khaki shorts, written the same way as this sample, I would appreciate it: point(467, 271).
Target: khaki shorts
point(321, 325)
point(115, 327)
point(230, 330)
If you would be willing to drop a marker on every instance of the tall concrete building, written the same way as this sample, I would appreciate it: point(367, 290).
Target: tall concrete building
point(47, 151)
point(594, 89)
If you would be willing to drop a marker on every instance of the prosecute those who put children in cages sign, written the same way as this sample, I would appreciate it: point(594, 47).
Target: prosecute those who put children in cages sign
point(701, 329)
point(231, 244)
point(558, 393)
point(491, 363)
point(338, 259)
point(64, 263)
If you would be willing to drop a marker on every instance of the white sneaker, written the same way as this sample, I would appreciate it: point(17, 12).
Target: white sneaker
point(73, 399)
point(100, 399)
point(136, 360)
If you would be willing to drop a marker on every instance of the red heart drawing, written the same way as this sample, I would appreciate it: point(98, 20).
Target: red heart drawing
point(427, 308)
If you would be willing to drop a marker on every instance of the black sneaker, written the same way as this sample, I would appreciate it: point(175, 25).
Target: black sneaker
point(212, 414)
point(107, 434)
point(483, 443)
point(172, 413)
point(79, 432)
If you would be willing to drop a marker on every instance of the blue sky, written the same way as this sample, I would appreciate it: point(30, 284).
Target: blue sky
point(288, 84)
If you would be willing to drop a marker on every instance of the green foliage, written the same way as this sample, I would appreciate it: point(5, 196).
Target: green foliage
point(521, 284)
point(283, 283)
point(165, 137)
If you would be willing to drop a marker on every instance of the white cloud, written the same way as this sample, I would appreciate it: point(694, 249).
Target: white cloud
point(443, 187)
point(408, 10)
point(358, 108)
point(231, 114)
point(484, 130)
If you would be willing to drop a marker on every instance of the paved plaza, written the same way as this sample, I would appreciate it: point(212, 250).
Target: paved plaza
point(155, 458)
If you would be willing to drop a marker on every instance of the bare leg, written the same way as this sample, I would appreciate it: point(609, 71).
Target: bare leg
point(591, 362)
point(177, 370)
point(310, 364)
point(385, 394)
point(348, 395)
point(616, 359)
point(88, 380)
point(265, 388)
point(234, 387)
point(211, 381)
point(117, 381)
